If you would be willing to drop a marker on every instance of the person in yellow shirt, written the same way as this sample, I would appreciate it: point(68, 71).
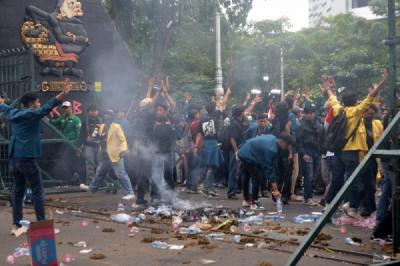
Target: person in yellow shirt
point(346, 161)
point(113, 149)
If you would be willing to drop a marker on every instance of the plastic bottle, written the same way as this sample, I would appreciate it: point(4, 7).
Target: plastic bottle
point(255, 219)
point(189, 230)
point(121, 218)
point(160, 245)
point(216, 236)
point(236, 239)
point(279, 208)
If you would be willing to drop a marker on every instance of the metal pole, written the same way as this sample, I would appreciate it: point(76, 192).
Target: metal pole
point(218, 68)
point(332, 207)
point(392, 43)
point(282, 77)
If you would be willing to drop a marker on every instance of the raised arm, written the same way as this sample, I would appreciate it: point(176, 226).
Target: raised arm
point(378, 86)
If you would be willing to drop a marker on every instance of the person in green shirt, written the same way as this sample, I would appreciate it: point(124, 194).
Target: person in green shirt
point(68, 123)
point(70, 126)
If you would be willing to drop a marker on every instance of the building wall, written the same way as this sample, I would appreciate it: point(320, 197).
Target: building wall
point(326, 8)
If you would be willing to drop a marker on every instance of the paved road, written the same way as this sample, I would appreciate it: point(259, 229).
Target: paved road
point(120, 249)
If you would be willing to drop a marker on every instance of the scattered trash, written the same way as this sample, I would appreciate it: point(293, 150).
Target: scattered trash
point(207, 261)
point(233, 229)
point(216, 236)
point(192, 230)
point(76, 211)
point(274, 217)
point(360, 222)
point(236, 239)
point(249, 245)
point(164, 211)
point(343, 230)
point(150, 210)
point(10, 259)
point(142, 216)
point(134, 205)
point(164, 245)
point(246, 227)
point(263, 246)
point(97, 226)
point(59, 211)
point(121, 207)
point(121, 218)
point(379, 258)
point(97, 256)
point(80, 244)
point(255, 219)
point(85, 223)
point(227, 223)
point(68, 258)
point(306, 218)
point(108, 230)
point(134, 230)
point(350, 241)
point(21, 251)
point(56, 231)
point(86, 251)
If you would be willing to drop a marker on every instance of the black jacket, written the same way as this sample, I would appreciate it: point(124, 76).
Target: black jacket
point(308, 137)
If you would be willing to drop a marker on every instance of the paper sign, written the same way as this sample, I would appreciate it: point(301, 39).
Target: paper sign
point(41, 239)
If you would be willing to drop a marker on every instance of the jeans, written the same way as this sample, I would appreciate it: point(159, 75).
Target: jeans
point(119, 169)
point(386, 190)
point(195, 172)
point(252, 176)
point(161, 171)
point(308, 168)
point(233, 174)
point(284, 174)
point(90, 154)
point(344, 164)
point(26, 172)
point(367, 193)
point(209, 180)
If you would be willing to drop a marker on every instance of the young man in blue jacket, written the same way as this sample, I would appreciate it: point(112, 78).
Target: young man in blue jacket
point(258, 158)
point(25, 149)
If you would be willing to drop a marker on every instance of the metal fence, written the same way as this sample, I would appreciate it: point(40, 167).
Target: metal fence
point(16, 78)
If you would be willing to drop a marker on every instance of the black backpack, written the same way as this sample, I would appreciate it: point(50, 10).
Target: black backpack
point(335, 138)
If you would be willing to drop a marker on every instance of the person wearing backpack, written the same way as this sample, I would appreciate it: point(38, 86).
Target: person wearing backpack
point(347, 138)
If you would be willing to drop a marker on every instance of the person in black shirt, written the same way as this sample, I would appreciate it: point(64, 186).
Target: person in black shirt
point(163, 138)
point(308, 146)
point(89, 141)
point(211, 155)
point(236, 137)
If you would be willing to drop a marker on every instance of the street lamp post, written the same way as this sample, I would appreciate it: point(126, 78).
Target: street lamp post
point(218, 68)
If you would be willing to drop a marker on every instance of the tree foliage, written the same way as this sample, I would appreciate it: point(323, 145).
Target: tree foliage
point(177, 38)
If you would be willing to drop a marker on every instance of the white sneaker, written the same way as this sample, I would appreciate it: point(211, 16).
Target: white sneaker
point(129, 197)
point(245, 203)
point(84, 187)
point(310, 202)
point(13, 230)
point(345, 205)
point(351, 212)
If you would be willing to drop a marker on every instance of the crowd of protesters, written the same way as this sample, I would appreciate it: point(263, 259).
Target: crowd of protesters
point(271, 143)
